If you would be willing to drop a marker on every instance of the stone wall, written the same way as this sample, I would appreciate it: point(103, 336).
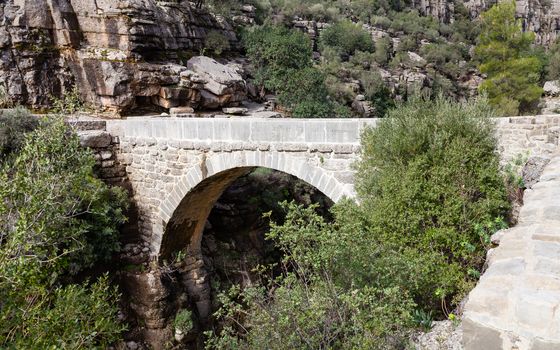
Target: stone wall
point(527, 136)
point(515, 303)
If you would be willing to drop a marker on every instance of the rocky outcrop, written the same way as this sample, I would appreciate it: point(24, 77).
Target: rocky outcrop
point(120, 53)
point(539, 16)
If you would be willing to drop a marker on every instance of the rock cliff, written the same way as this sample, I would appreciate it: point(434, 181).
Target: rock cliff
point(540, 16)
point(128, 55)
point(120, 53)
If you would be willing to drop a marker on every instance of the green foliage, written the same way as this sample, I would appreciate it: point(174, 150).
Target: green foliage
point(5, 100)
point(505, 55)
point(305, 94)
point(311, 306)
point(183, 321)
point(423, 319)
point(276, 52)
point(382, 50)
point(69, 104)
point(553, 66)
point(77, 316)
point(346, 38)
point(410, 22)
point(282, 58)
point(56, 219)
point(14, 124)
point(377, 93)
point(217, 43)
point(428, 175)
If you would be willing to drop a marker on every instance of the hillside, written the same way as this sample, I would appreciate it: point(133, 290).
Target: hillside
point(132, 57)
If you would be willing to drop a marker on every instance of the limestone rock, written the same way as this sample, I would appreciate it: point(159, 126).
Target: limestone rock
point(112, 50)
point(94, 138)
point(235, 110)
point(551, 88)
point(222, 83)
point(533, 169)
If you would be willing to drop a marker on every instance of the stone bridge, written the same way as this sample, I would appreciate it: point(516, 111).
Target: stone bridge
point(178, 167)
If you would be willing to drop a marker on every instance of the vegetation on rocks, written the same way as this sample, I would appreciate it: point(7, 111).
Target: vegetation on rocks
point(56, 220)
point(431, 194)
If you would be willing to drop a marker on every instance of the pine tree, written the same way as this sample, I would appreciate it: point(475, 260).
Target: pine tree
point(505, 55)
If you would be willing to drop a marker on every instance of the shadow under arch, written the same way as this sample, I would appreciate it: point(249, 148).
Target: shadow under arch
point(184, 212)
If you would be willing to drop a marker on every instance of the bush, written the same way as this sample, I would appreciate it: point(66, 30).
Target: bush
point(428, 176)
point(216, 42)
point(282, 58)
point(276, 52)
point(346, 37)
point(383, 51)
point(314, 305)
point(14, 124)
point(553, 66)
point(56, 219)
point(306, 95)
point(77, 316)
point(377, 93)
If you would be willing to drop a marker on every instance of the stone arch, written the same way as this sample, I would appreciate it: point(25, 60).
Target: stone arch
point(182, 215)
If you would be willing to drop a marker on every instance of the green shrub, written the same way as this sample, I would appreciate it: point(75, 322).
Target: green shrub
point(305, 93)
point(282, 58)
point(553, 65)
point(68, 104)
point(383, 51)
point(76, 316)
point(276, 52)
point(316, 305)
point(428, 175)
point(14, 124)
point(216, 42)
point(56, 219)
point(346, 37)
point(377, 93)
point(183, 321)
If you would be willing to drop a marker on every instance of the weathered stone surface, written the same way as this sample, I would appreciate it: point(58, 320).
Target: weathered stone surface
point(95, 138)
point(551, 88)
point(533, 169)
point(514, 304)
point(110, 49)
point(235, 110)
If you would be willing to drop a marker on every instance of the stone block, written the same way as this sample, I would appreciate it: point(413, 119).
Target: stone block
point(95, 138)
point(477, 336)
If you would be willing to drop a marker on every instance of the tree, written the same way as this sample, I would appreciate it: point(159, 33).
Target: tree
point(505, 55)
point(282, 58)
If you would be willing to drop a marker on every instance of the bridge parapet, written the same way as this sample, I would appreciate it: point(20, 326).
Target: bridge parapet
point(248, 130)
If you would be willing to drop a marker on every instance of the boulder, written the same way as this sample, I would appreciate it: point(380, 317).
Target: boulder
point(219, 79)
point(235, 110)
point(552, 88)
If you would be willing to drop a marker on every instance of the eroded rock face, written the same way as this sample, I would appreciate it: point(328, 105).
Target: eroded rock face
point(542, 17)
point(120, 53)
